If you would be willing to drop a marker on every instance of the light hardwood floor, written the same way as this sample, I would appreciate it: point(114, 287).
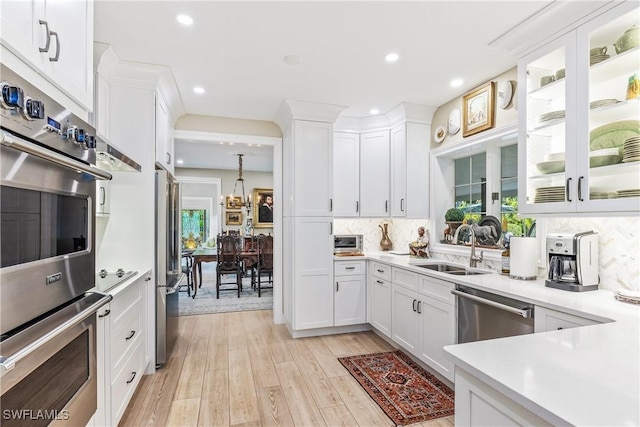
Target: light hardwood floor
point(239, 369)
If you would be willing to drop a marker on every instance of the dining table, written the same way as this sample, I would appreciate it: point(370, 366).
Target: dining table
point(248, 258)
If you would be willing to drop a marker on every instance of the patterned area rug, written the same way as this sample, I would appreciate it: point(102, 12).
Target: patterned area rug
point(406, 393)
point(205, 301)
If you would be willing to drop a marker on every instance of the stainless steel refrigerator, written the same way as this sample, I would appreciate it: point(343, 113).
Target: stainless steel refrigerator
point(168, 271)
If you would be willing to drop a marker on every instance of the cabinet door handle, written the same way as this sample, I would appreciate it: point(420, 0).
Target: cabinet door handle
point(48, 41)
point(401, 205)
point(379, 281)
point(330, 205)
point(568, 195)
point(105, 314)
point(350, 268)
point(380, 271)
point(337, 286)
point(133, 376)
point(147, 278)
point(386, 206)
point(330, 228)
point(357, 206)
point(414, 305)
point(55, 58)
point(560, 328)
point(168, 158)
point(130, 336)
point(103, 196)
point(580, 188)
point(419, 307)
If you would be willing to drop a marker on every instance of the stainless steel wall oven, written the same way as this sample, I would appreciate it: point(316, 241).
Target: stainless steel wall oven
point(47, 259)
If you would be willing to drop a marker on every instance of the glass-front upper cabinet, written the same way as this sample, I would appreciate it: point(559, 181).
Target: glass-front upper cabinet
point(579, 124)
point(608, 97)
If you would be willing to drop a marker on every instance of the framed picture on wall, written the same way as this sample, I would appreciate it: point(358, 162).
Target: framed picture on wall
point(234, 218)
point(263, 211)
point(478, 109)
point(233, 202)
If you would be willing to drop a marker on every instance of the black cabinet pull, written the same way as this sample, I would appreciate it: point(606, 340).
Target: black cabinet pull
point(414, 305)
point(386, 206)
point(568, 195)
point(130, 336)
point(106, 313)
point(350, 268)
point(133, 376)
point(580, 188)
point(419, 307)
point(401, 205)
point(357, 206)
point(379, 281)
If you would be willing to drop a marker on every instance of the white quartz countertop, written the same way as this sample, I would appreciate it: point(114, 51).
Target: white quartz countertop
point(581, 376)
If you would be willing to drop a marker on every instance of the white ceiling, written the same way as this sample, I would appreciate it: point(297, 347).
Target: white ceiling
point(235, 50)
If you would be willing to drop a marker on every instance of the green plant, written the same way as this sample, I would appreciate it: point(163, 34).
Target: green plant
point(454, 214)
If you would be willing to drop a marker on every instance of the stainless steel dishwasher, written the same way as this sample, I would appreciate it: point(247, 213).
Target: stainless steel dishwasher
point(483, 315)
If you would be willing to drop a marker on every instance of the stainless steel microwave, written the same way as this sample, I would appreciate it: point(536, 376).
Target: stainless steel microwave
point(347, 243)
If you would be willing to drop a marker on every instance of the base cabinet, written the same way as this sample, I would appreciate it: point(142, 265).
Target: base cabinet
point(552, 320)
point(478, 404)
point(405, 319)
point(122, 356)
point(349, 307)
point(379, 298)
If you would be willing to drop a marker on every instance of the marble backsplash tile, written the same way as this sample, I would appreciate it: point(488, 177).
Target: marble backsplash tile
point(619, 242)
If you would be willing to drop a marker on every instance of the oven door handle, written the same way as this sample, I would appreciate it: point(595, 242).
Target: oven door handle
point(9, 363)
point(35, 150)
point(524, 313)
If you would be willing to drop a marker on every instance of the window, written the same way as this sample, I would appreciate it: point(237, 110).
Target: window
point(470, 187)
point(474, 185)
point(195, 227)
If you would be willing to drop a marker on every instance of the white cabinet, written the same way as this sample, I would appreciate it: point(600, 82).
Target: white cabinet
point(572, 105)
point(122, 351)
point(101, 109)
point(374, 174)
point(346, 174)
point(313, 289)
point(379, 297)
point(437, 323)
point(164, 135)
point(405, 318)
point(54, 38)
point(478, 404)
point(547, 319)
point(399, 171)
point(350, 296)
point(103, 200)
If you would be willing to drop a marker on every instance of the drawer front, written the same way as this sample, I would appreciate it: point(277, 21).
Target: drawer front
point(380, 270)
point(405, 278)
point(125, 383)
point(551, 320)
point(125, 334)
point(348, 268)
point(122, 301)
point(437, 289)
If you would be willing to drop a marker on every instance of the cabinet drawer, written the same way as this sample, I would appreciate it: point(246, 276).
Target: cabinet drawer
point(348, 268)
point(383, 271)
point(124, 384)
point(552, 320)
point(123, 300)
point(405, 278)
point(437, 289)
point(125, 334)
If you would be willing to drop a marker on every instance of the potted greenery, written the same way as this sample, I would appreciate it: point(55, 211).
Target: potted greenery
point(453, 217)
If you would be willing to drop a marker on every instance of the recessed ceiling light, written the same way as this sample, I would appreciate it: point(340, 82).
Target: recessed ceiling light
point(199, 90)
point(184, 19)
point(456, 82)
point(179, 161)
point(391, 57)
point(374, 111)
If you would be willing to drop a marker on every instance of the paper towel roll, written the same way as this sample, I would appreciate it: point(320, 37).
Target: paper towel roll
point(524, 258)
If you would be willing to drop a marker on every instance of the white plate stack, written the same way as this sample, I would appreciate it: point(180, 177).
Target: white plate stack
point(553, 115)
point(631, 149)
point(594, 59)
point(629, 193)
point(627, 296)
point(549, 194)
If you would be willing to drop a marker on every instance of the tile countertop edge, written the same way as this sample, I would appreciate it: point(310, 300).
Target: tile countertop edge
point(562, 376)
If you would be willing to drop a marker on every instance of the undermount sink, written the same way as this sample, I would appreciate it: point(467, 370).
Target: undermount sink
point(452, 269)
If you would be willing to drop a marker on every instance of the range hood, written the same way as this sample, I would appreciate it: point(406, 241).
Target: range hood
point(110, 158)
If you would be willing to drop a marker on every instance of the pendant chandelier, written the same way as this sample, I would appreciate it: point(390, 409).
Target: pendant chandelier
point(246, 199)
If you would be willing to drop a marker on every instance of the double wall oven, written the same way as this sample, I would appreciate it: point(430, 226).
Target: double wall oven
point(47, 260)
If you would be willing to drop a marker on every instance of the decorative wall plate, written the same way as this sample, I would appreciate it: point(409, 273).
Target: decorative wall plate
point(505, 94)
point(454, 122)
point(439, 134)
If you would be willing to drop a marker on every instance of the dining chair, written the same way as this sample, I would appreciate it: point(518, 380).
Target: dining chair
point(265, 261)
point(186, 263)
point(228, 251)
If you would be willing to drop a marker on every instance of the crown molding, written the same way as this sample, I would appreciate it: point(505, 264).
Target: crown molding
point(301, 110)
point(402, 113)
point(142, 76)
point(550, 22)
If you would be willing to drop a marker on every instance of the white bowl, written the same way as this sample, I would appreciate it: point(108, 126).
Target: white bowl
point(605, 152)
point(552, 157)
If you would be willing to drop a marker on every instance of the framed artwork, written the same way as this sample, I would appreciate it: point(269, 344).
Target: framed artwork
point(234, 218)
point(233, 202)
point(479, 109)
point(263, 210)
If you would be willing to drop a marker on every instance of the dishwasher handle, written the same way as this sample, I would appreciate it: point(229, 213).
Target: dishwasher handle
point(526, 313)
